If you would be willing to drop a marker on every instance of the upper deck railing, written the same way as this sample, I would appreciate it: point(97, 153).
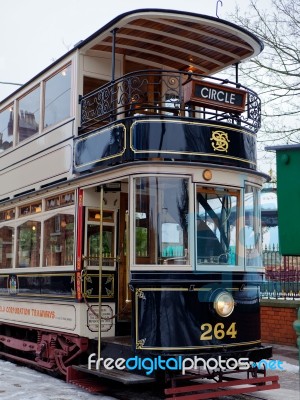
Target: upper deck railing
point(160, 92)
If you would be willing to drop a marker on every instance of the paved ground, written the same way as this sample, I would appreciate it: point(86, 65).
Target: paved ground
point(288, 379)
point(17, 382)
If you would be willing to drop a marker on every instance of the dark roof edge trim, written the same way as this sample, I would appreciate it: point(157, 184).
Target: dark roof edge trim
point(283, 147)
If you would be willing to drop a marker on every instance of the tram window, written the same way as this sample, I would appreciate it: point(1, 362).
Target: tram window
point(61, 200)
point(94, 215)
point(93, 244)
point(28, 244)
point(30, 209)
point(161, 220)
point(216, 223)
point(141, 235)
point(59, 240)
point(6, 128)
point(29, 115)
point(253, 238)
point(6, 247)
point(7, 214)
point(58, 97)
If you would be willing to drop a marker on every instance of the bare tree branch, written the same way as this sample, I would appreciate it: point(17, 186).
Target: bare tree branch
point(275, 74)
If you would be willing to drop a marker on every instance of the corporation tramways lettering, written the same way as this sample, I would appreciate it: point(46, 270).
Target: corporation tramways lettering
point(220, 141)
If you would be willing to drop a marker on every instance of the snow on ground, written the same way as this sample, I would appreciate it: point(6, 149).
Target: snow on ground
point(289, 367)
point(17, 382)
point(22, 383)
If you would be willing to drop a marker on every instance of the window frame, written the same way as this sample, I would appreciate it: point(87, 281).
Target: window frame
point(237, 192)
point(188, 266)
point(110, 221)
point(41, 85)
point(39, 217)
point(17, 111)
point(43, 91)
point(12, 109)
point(260, 247)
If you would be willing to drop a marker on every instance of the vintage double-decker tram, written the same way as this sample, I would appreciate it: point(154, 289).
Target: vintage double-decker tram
point(125, 167)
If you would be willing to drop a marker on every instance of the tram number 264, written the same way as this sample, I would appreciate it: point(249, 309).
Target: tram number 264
point(218, 331)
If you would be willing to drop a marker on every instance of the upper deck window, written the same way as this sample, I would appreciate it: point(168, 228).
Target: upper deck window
point(29, 114)
point(6, 128)
point(58, 97)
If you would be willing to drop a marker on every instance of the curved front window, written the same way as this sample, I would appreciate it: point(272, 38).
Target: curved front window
point(253, 235)
point(161, 220)
point(216, 225)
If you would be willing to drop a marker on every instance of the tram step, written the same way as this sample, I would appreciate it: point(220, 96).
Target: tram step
point(217, 389)
point(125, 377)
point(84, 381)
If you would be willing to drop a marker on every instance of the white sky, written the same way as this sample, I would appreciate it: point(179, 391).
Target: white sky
point(34, 33)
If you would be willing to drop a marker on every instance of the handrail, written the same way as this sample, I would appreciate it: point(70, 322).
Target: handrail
point(160, 92)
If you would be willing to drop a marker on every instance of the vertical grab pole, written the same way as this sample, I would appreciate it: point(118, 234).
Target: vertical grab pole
point(113, 75)
point(113, 54)
point(100, 272)
point(236, 72)
point(127, 300)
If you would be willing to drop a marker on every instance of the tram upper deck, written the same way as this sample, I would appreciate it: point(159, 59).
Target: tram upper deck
point(142, 87)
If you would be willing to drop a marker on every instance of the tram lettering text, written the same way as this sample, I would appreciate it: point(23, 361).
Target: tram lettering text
point(42, 313)
point(27, 311)
point(216, 96)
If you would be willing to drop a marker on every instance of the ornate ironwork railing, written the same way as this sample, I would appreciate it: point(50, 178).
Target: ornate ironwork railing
point(160, 92)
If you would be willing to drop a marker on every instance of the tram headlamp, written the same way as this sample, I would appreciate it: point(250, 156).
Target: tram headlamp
point(224, 304)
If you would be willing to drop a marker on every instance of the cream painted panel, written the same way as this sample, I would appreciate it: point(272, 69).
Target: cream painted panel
point(100, 66)
point(33, 173)
point(35, 145)
point(43, 314)
point(65, 317)
point(91, 198)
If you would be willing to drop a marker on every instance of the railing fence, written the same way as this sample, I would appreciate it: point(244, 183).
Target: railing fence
point(282, 275)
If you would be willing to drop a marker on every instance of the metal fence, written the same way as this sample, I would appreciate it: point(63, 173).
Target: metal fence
point(282, 275)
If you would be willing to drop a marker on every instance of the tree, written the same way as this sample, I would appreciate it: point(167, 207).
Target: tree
point(275, 74)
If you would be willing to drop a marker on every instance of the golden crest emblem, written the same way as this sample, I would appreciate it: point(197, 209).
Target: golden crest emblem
point(220, 141)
